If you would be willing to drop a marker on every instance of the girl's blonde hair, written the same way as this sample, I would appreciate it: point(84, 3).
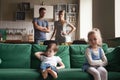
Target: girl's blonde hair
point(98, 33)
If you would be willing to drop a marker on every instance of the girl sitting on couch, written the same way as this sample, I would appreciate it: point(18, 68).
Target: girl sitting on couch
point(95, 56)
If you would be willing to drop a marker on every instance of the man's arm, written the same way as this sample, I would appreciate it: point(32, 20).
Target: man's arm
point(36, 26)
point(47, 29)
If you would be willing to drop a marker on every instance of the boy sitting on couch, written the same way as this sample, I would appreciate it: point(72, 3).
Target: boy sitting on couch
point(50, 61)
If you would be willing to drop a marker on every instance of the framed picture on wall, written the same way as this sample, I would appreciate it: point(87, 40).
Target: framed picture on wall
point(24, 6)
point(20, 15)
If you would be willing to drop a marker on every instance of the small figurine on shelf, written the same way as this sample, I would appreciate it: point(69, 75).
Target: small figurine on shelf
point(43, 3)
point(73, 9)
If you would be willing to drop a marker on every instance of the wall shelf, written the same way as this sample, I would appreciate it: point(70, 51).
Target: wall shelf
point(71, 12)
point(20, 15)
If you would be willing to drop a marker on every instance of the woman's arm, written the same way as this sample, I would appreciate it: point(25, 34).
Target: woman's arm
point(54, 33)
point(72, 28)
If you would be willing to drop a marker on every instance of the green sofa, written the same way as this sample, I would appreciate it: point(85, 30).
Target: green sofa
point(17, 62)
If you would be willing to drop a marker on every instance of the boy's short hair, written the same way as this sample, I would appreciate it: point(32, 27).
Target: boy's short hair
point(54, 48)
point(42, 8)
point(46, 42)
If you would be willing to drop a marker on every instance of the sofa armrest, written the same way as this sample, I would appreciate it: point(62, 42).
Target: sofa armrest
point(113, 57)
point(110, 49)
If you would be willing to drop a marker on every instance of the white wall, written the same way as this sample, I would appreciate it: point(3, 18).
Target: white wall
point(17, 25)
point(117, 18)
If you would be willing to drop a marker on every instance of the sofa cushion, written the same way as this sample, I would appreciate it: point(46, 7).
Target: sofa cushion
point(114, 60)
point(78, 74)
point(33, 74)
point(77, 57)
point(63, 52)
point(19, 74)
point(63, 74)
point(73, 74)
point(113, 75)
point(105, 47)
point(15, 55)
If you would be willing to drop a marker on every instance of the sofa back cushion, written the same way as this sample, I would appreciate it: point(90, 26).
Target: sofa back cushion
point(15, 55)
point(77, 54)
point(77, 57)
point(114, 60)
point(63, 53)
point(105, 47)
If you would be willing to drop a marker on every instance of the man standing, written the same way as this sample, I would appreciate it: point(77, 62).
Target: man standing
point(40, 27)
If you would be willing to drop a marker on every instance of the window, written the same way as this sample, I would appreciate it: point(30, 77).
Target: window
point(117, 18)
point(85, 17)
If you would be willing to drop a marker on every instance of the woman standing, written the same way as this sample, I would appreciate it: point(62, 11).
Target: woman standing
point(60, 30)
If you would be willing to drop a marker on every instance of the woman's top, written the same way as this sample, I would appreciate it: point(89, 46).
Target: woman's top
point(59, 29)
